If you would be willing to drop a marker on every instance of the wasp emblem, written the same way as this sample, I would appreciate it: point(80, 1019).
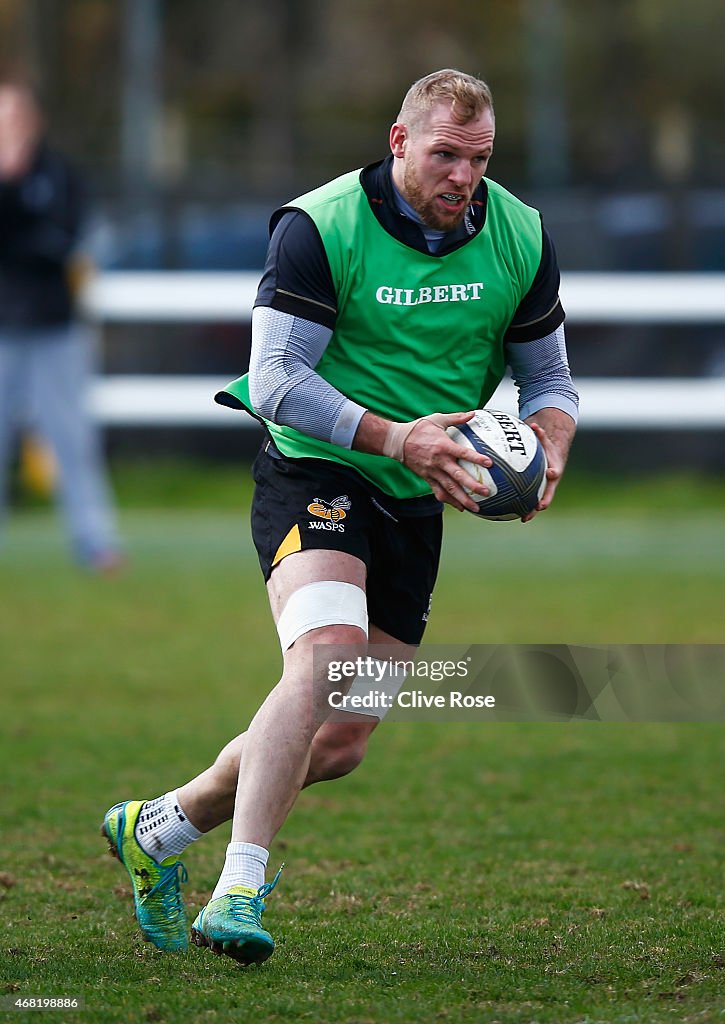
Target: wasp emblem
point(335, 509)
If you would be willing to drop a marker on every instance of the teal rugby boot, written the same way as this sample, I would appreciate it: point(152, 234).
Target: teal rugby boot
point(232, 924)
point(156, 887)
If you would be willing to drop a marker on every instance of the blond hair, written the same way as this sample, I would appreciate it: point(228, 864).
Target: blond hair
point(469, 97)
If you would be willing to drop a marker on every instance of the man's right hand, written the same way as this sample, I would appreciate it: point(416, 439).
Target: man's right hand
point(425, 448)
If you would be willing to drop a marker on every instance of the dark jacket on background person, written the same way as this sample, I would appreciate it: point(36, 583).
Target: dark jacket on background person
point(40, 219)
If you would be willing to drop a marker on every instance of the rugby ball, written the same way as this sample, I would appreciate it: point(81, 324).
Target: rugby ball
point(517, 478)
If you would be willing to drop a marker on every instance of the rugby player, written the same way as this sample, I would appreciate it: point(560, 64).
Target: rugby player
point(391, 303)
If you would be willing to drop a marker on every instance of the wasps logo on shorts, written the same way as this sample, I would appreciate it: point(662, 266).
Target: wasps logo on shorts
point(333, 510)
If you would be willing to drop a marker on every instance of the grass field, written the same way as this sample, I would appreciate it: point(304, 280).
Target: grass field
point(514, 873)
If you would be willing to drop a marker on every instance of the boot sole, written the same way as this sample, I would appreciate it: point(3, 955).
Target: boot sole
point(246, 954)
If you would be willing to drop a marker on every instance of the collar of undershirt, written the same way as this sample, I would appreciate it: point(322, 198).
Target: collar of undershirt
point(404, 224)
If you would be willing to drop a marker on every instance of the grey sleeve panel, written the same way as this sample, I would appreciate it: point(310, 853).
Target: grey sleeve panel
point(540, 370)
point(283, 385)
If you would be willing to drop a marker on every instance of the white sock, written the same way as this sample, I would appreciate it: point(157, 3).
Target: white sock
point(162, 829)
point(245, 864)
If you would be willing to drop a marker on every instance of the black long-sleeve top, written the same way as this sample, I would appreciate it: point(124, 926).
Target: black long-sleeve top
point(40, 219)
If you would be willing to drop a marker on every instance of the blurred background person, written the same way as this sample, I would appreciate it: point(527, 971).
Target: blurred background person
point(45, 353)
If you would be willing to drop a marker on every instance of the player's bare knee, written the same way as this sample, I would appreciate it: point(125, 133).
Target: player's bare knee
point(314, 659)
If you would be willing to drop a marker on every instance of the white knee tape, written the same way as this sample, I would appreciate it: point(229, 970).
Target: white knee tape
point(327, 603)
point(378, 691)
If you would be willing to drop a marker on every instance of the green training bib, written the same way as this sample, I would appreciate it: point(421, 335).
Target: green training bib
point(415, 333)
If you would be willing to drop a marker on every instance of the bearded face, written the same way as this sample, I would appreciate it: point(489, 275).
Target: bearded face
point(439, 164)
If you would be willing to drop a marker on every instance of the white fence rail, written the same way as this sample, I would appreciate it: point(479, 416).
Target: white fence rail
point(606, 403)
point(588, 298)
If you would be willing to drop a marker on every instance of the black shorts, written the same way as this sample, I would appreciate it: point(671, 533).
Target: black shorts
point(303, 504)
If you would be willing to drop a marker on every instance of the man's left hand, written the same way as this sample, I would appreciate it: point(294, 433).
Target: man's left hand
point(555, 430)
